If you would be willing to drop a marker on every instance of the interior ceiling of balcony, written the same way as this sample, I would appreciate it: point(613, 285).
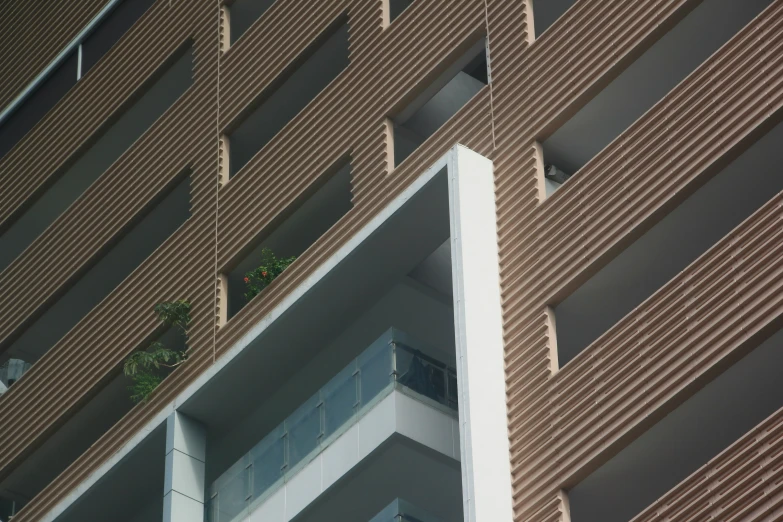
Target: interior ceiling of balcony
point(325, 310)
point(435, 270)
point(400, 469)
point(646, 81)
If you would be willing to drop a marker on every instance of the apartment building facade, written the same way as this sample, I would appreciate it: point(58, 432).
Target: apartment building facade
point(532, 260)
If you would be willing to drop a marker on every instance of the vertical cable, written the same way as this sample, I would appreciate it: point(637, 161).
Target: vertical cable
point(489, 74)
point(216, 309)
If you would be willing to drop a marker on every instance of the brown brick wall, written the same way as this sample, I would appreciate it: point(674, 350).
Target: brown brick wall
point(562, 424)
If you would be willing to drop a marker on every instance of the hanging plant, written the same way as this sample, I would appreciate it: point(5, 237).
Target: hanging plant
point(147, 368)
point(271, 266)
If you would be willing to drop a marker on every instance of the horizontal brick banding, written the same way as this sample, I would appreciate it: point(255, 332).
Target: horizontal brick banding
point(562, 424)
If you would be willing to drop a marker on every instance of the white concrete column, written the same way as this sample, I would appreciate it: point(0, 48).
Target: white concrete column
point(478, 324)
point(183, 490)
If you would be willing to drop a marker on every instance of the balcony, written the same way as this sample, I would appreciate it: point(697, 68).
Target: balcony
point(645, 82)
point(100, 35)
point(438, 101)
point(687, 438)
point(121, 131)
point(297, 86)
point(344, 428)
point(151, 227)
point(390, 364)
point(677, 240)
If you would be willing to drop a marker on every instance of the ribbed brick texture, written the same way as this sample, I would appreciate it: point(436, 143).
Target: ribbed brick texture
point(562, 424)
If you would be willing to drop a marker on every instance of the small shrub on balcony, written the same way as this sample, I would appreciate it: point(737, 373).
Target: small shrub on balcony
point(147, 368)
point(271, 266)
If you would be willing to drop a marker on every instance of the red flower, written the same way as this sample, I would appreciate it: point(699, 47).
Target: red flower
point(247, 280)
point(263, 274)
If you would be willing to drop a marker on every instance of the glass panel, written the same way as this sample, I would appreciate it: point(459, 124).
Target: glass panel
point(268, 458)
point(232, 497)
point(452, 391)
point(418, 375)
point(375, 369)
point(340, 400)
point(304, 427)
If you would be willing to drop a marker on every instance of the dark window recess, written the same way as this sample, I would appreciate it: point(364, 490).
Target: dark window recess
point(243, 13)
point(396, 7)
point(547, 12)
point(110, 143)
point(685, 440)
point(687, 232)
point(22, 120)
point(310, 73)
point(33, 108)
point(149, 231)
point(296, 228)
point(644, 83)
point(109, 31)
point(439, 102)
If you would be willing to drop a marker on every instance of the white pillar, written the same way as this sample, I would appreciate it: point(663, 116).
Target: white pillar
point(478, 324)
point(183, 490)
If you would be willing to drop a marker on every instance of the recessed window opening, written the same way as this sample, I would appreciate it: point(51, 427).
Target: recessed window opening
point(298, 227)
point(244, 13)
point(108, 145)
point(396, 7)
point(671, 245)
point(439, 101)
point(307, 76)
point(150, 230)
point(547, 12)
point(685, 440)
point(72, 68)
point(644, 83)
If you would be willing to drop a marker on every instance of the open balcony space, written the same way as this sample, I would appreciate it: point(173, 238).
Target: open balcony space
point(301, 82)
point(21, 116)
point(671, 245)
point(547, 12)
point(107, 405)
point(103, 150)
point(144, 235)
point(438, 101)
point(295, 229)
point(642, 84)
point(686, 439)
point(242, 14)
point(350, 388)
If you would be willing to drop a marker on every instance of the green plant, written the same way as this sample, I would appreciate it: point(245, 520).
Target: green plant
point(271, 266)
point(147, 368)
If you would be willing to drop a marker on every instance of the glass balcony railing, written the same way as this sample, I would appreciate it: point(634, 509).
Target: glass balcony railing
point(390, 362)
point(401, 511)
